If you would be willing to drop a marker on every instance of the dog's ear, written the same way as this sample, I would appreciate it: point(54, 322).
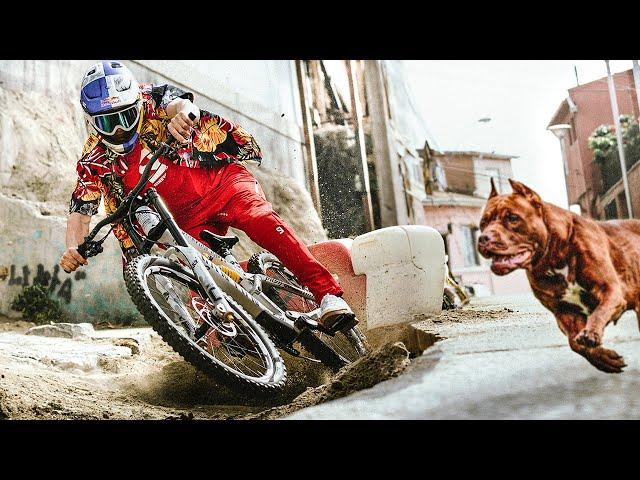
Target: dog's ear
point(494, 192)
point(521, 189)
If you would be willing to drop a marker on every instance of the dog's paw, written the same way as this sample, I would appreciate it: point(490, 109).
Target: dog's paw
point(588, 338)
point(605, 360)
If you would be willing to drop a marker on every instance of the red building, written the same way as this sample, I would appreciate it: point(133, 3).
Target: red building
point(587, 107)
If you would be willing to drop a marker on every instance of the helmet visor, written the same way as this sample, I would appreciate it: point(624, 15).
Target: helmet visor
point(125, 119)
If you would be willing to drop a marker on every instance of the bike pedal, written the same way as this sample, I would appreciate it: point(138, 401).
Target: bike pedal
point(303, 322)
point(291, 350)
point(343, 324)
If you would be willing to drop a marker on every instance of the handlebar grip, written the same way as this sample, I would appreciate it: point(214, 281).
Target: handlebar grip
point(173, 141)
point(82, 250)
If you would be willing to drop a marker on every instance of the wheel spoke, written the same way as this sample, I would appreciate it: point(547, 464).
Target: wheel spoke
point(250, 349)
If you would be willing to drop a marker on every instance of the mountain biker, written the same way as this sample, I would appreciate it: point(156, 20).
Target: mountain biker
point(206, 185)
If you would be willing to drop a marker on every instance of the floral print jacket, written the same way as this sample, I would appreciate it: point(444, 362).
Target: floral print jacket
point(100, 171)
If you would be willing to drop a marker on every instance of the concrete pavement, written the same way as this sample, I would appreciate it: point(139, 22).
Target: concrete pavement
point(518, 366)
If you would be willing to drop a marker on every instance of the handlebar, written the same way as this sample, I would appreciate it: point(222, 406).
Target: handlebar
point(89, 248)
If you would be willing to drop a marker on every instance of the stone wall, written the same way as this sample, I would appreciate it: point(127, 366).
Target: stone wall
point(31, 244)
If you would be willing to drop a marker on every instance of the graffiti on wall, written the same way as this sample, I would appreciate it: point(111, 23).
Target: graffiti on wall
point(25, 276)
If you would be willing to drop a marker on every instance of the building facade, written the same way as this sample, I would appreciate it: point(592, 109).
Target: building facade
point(459, 185)
point(595, 187)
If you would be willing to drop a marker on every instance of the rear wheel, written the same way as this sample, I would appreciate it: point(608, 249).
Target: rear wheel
point(334, 351)
point(173, 302)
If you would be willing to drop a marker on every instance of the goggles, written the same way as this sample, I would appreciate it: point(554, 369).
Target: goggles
point(126, 120)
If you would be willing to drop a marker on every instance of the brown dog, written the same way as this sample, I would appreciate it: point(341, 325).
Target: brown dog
point(586, 272)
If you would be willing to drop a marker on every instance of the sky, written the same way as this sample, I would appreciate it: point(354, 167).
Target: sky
point(520, 97)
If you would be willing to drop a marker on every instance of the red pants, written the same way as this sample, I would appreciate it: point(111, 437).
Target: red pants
point(235, 199)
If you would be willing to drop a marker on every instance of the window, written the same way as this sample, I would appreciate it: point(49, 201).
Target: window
point(468, 245)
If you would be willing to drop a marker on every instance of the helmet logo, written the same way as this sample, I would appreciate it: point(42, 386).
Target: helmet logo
point(110, 101)
point(122, 83)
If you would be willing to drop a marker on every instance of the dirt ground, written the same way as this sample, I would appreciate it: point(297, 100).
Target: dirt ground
point(155, 383)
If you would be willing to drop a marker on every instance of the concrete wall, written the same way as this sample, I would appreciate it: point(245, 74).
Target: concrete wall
point(262, 96)
point(42, 130)
point(31, 248)
point(393, 210)
point(406, 134)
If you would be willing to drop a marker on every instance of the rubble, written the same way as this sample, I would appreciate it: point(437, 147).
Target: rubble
point(416, 340)
point(382, 364)
point(132, 373)
point(63, 330)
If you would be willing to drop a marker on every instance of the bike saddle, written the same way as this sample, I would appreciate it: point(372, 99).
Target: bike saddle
point(218, 242)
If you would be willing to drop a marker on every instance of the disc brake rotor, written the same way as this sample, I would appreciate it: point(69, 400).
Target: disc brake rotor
point(204, 309)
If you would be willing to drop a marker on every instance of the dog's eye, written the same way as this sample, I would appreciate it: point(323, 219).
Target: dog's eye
point(512, 218)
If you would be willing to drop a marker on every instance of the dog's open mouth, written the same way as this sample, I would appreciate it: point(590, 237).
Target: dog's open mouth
point(503, 264)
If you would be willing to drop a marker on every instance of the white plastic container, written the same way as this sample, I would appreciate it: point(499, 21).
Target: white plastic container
point(405, 270)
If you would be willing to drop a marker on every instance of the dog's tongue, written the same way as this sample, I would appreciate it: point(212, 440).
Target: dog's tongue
point(505, 263)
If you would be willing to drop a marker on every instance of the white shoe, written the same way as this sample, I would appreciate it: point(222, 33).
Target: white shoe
point(332, 309)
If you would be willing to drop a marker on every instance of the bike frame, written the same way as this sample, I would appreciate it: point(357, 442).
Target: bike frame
point(212, 276)
point(216, 275)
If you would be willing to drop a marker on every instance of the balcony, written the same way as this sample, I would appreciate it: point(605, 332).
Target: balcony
point(610, 172)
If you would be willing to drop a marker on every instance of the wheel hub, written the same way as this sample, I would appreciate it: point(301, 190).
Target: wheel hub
point(204, 310)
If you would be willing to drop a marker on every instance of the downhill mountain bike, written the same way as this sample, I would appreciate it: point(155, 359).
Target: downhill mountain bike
point(227, 322)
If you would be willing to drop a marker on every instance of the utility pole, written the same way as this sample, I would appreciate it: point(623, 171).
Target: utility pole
point(309, 144)
point(390, 186)
point(616, 119)
point(636, 80)
point(356, 110)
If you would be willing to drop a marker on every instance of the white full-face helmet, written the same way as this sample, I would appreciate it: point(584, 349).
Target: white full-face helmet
point(110, 98)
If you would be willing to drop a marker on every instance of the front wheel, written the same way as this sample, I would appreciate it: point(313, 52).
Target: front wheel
point(173, 302)
point(335, 351)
